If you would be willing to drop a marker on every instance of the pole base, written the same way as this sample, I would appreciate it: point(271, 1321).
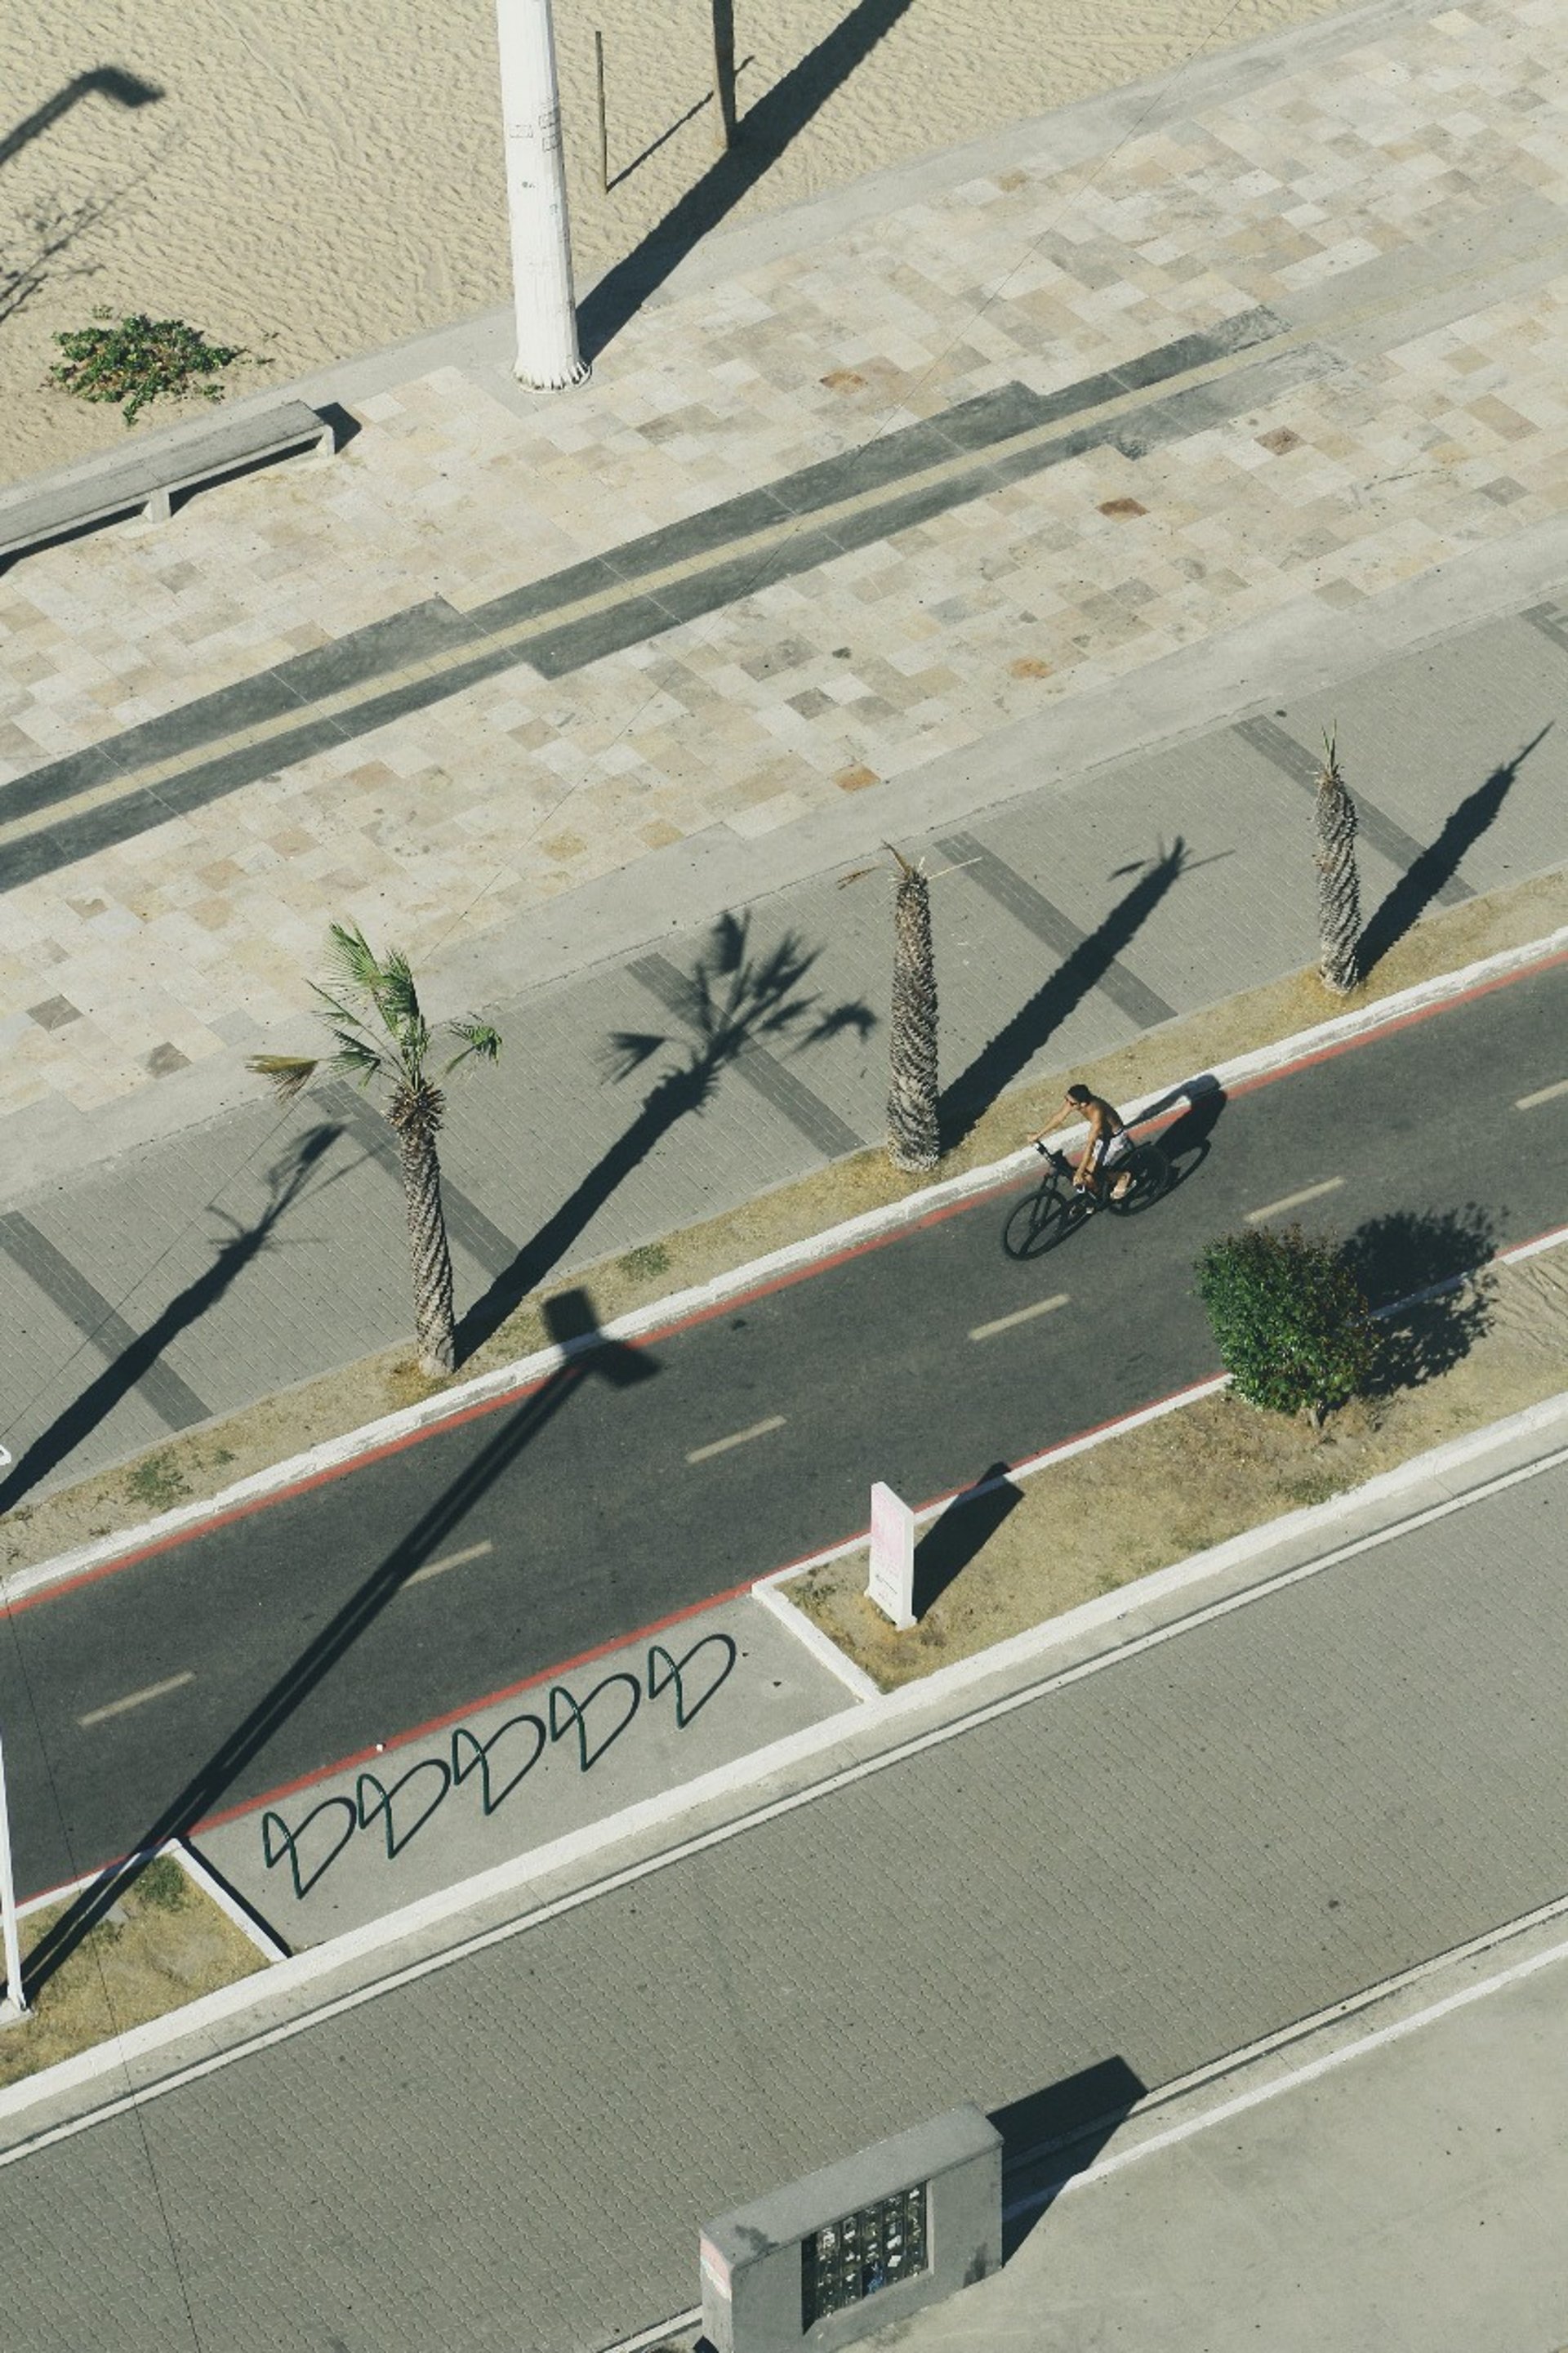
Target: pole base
point(12, 2014)
point(581, 372)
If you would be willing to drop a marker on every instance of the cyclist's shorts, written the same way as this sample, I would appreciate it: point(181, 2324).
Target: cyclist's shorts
point(1109, 1149)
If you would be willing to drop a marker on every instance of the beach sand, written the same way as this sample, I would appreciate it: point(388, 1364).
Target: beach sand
point(310, 183)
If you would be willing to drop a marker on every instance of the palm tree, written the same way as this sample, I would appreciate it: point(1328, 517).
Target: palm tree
point(372, 1012)
point(1339, 885)
point(914, 1138)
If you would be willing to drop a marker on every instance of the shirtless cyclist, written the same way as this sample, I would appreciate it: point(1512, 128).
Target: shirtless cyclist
point(1108, 1142)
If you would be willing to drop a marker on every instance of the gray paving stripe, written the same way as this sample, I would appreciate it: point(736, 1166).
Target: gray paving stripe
point(466, 1221)
point(982, 427)
point(1401, 849)
point(805, 1110)
point(1061, 936)
point(1552, 623)
point(170, 1398)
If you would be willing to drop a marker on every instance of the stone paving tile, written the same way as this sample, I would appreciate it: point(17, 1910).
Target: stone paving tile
point(843, 679)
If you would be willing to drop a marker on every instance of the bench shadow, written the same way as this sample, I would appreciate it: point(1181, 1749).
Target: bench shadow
point(961, 1532)
point(1439, 863)
point(1051, 2134)
point(1418, 1263)
point(764, 132)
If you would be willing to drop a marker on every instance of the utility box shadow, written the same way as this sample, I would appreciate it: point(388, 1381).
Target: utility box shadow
point(1051, 2134)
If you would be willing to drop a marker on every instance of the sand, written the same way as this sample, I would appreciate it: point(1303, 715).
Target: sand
point(312, 184)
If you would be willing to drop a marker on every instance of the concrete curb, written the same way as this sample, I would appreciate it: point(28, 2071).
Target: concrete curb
point(335, 1454)
point(925, 1696)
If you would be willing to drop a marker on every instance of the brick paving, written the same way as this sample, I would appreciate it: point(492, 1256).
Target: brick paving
point(1395, 205)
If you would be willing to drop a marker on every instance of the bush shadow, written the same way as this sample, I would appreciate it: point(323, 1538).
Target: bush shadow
point(1415, 1267)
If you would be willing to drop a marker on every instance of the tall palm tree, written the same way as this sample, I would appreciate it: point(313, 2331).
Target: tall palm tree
point(914, 1139)
point(372, 1010)
point(1339, 884)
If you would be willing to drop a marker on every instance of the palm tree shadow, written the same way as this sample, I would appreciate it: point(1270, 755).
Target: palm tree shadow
point(1439, 863)
point(586, 1353)
point(287, 1181)
point(731, 1002)
point(765, 131)
point(1008, 1054)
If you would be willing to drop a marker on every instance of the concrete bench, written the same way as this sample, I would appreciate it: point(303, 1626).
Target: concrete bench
point(148, 479)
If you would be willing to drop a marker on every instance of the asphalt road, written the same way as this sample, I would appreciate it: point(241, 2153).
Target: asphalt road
point(262, 1649)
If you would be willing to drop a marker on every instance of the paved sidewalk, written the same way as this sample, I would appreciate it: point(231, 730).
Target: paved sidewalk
point(1042, 523)
point(1081, 1890)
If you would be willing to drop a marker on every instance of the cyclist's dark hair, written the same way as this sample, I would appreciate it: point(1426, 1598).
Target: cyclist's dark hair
point(1079, 1093)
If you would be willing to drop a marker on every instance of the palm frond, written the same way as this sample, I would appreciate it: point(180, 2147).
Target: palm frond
point(397, 997)
point(356, 1055)
point(355, 959)
point(480, 1040)
point(285, 1074)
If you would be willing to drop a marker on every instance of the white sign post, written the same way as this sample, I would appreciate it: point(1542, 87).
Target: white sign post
point(547, 354)
point(892, 1584)
point(14, 2004)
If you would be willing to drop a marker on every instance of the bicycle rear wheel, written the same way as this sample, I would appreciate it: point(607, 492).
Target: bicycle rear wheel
point(1038, 1222)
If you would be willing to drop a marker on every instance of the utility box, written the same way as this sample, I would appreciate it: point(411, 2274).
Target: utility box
point(848, 2250)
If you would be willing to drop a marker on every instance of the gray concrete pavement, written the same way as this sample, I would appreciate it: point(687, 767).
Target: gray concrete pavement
point(1137, 1871)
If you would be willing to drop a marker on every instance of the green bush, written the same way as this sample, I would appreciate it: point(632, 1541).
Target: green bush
point(161, 1886)
point(135, 360)
point(1293, 1323)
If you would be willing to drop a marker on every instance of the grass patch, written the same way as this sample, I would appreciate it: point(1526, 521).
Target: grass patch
point(334, 1403)
point(1204, 1473)
point(164, 1943)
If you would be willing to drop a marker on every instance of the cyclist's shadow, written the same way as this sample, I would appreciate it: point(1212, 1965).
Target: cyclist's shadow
point(1186, 1143)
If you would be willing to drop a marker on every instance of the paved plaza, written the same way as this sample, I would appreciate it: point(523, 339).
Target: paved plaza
point(1270, 339)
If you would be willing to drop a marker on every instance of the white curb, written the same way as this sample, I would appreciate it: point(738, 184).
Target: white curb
point(334, 1453)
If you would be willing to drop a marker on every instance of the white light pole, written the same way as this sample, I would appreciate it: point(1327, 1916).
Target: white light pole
point(547, 354)
point(14, 2004)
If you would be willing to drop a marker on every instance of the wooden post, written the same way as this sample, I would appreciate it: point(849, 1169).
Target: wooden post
point(723, 74)
point(604, 132)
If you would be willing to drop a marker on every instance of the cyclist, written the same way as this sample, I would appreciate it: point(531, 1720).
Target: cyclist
point(1108, 1142)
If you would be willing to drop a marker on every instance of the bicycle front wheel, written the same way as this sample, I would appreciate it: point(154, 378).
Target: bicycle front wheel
point(1036, 1223)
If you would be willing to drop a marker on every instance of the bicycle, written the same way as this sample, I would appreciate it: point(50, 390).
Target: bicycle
point(1048, 1215)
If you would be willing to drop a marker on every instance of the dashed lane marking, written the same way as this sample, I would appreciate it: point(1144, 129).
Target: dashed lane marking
point(452, 1561)
point(1019, 1315)
point(136, 1699)
point(739, 1438)
point(1542, 1095)
point(1295, 1200)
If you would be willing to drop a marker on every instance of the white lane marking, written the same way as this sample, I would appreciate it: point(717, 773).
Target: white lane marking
point(1542, 1095)
point(136, 1699)
point(1295, 1200)
point(452, 1560)
point(1019, 1315)
point(741, 1437)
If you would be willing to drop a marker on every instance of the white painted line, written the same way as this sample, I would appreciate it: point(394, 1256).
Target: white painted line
point(452, 1561)
point(136, 1699)
point(1294, 1200)
point(1542, 1095)
point(738, 1437)
point(1019, 1315)
point(335, 1452)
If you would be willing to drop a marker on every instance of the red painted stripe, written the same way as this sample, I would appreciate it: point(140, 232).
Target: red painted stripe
point(579, 1366)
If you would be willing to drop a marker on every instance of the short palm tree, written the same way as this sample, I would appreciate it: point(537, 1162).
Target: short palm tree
point(372, 1010)
point(914, 1138)
point(1339, 884)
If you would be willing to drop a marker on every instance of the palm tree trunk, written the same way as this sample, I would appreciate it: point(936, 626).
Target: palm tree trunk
point(913, 1137)
point(1339, 884)
point(432, 1260)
